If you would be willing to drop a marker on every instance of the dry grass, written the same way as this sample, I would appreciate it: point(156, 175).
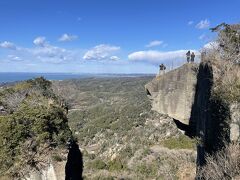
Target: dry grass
point(224, 58)
point(187, 172)
point(225, 164)
point(229, 86)
point(226, 76)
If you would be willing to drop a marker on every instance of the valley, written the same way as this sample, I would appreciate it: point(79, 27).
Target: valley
point(118, 133)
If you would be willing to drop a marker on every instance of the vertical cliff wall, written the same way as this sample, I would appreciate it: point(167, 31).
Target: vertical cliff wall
point(200, 120)
point(187, 94)
point(173, 93)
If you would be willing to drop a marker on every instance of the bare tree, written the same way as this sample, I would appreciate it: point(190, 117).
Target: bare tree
point(229, 41)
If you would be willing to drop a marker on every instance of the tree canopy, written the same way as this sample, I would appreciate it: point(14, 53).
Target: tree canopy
point(35, 123)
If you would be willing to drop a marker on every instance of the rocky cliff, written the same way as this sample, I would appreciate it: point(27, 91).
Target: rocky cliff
point(173, 93)
point(189, 95)
point(48, 173)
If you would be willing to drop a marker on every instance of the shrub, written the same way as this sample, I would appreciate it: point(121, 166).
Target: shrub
point(181, 142)
point(116, 165)
point(33, 127)
point(225, 58)
point(229, 41)
point(57, 158)
point(103, 178)
point(225, 164)
point(98, 164)
point(127, 152)
point(227, 87)
point(148, 170)
point(146, 151)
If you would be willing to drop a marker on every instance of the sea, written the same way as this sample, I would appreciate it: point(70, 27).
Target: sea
point(7, 77)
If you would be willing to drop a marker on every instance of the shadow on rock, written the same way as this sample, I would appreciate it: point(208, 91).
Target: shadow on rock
point(74, 165)
point(201, 110)
point(209, 116)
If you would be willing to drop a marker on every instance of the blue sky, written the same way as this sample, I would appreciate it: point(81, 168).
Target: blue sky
point(106, 36)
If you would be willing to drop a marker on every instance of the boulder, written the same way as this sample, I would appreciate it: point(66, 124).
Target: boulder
point(173, 92)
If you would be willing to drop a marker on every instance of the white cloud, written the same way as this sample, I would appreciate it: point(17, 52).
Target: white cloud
point(114, 58)
point(52, 54)
point(154, 43)
point(203, 24)
point(8, 45)
point(156, 57)
point(67, 37)
point(42, 52)
point(45, 52)
point(40, 41)
point(101, 52)
point(190, 23)
point(211, 45)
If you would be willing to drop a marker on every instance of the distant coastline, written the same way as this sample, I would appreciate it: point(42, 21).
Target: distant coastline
point(6, 77)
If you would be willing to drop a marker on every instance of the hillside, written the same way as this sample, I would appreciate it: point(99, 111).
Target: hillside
point(34, 128)
point(120, 136)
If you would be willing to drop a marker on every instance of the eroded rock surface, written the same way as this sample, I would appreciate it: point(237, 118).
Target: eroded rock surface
point(173, 92)
point(235, 122)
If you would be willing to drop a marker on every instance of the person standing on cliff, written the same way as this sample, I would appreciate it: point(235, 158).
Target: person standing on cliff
point(162, 69)
point(192, 57)
point(188, 54)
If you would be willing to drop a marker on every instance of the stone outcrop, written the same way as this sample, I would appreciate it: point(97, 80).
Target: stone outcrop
point(235, 122)
point(172, 93)
point(186, 95)
point(2, 111)
point(70, 167)
point(50, 169)
point(48, 173)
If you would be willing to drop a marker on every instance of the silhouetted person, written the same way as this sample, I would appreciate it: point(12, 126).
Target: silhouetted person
point(188, 54)
point(74, 165)
point(192, 57)
point(162, 69)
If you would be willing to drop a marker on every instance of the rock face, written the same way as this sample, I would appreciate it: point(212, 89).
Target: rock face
point(2, 111)
point(47, 174)
point(235, 122)
point(53, 171)
point(172, 93)
point(186, 94)
point(71, 168)
point(201, 121)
